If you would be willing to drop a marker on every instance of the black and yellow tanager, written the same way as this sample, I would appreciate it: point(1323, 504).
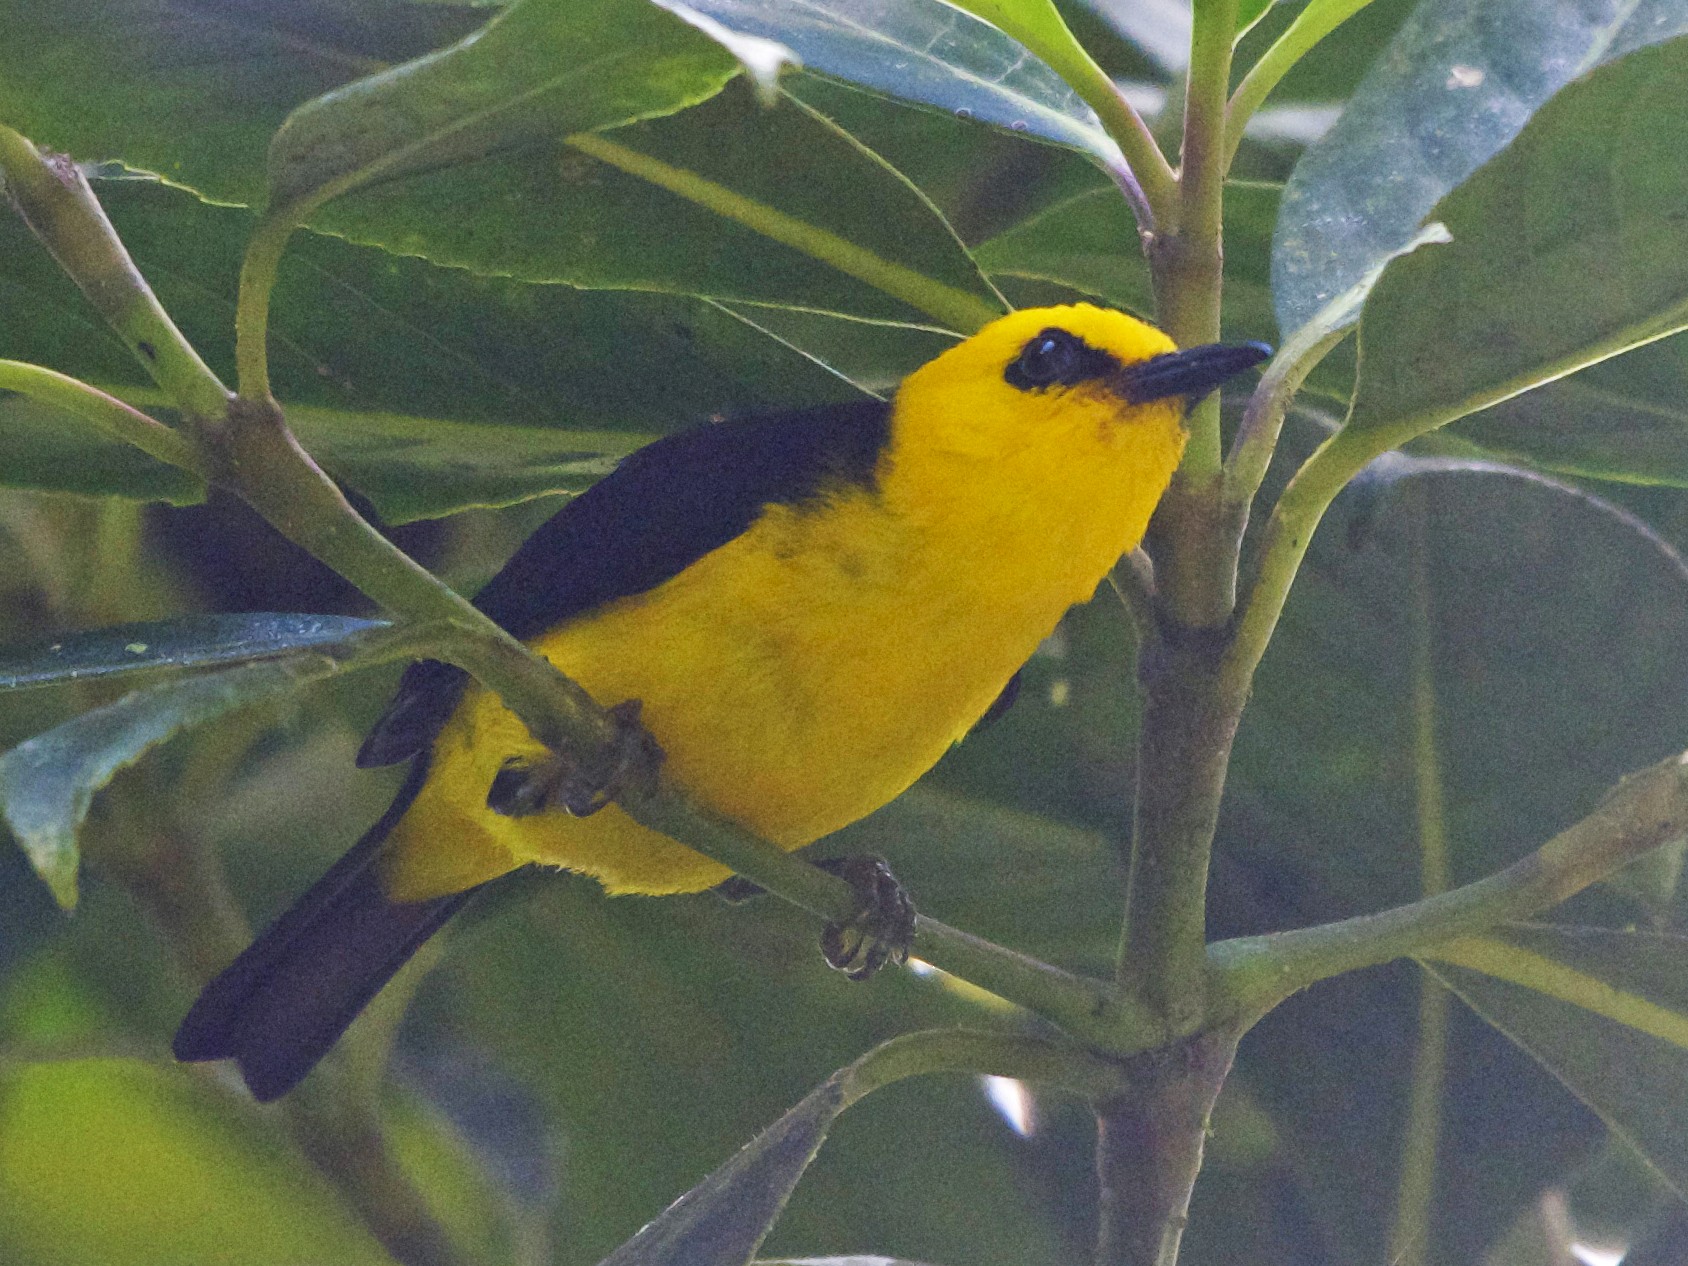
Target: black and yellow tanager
point(810, 609)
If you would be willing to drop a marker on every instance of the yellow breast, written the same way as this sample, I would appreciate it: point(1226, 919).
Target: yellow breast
point(810, 670)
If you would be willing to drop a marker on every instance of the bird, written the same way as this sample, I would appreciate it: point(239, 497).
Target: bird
point(803, 611)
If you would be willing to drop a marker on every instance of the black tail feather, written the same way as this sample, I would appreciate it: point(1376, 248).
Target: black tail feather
point(279, 1007)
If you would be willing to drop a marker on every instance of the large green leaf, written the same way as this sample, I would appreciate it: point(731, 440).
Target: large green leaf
point(723, 1220)
point(1605, 1012)
point(427, 389)
point(1459, 81)
point(117, 1161)
point(1625, 419)
point(540, 70)
point(732, 201)
point(194, 92)
point(1568, 248)
point(1557, 666)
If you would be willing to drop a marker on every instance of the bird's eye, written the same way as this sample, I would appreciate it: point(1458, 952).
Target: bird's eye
point(1053, 356)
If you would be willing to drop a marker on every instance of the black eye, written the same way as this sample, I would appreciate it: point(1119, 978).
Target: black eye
point(1053, 356)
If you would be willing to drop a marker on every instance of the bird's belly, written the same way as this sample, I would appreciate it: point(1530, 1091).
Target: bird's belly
point(793, 690)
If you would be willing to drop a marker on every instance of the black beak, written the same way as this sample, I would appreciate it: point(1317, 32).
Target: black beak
point(1191, 372)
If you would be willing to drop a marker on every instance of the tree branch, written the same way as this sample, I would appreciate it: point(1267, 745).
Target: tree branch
point(1644, 811)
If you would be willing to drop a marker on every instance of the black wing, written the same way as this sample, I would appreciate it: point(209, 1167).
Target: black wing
point(661, 510)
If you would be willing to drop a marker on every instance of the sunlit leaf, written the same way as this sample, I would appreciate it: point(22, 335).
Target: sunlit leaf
point(1459, 81)
point(187, 642)
point(118, 1162)
point(1568, 248)
point(926, 51)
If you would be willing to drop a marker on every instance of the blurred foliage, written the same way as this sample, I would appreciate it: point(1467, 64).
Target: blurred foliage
point(495, 328)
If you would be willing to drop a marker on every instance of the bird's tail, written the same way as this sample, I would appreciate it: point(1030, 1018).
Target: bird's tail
point(278, 1008)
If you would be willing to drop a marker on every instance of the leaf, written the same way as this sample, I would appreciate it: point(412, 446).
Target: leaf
point(48, 448)
point(1558, 665)
point(540, 70)
point(427, 389)
point(194, 92)
point(928, 52)
point(48, 783)
point(123, 1163)
point(1089, 242)
point(1458, 82)
point(1621, 419)
point(723, 1220)
point(1568, 248)
point(188, 642)
point(1605, 1012)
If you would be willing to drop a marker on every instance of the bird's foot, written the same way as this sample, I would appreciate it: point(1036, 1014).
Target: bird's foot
point(881, 931)
point(580, 788)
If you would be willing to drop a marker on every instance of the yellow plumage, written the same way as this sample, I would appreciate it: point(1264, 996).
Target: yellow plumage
point(809, 670)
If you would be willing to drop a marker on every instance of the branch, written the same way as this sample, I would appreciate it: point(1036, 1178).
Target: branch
point(111, 415)
point(1644, 811)
point(53, 198)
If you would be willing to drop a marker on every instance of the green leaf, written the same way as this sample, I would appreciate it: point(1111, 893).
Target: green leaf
point(427, 389)
point(194, 92)
point(539, 71)
point(1544, 698)
point(123, 1163)
point(52, 449)
point(188, 642)
point(1089, 242)
point(1568, 248)
point(1459, 81)
point(1605, 1012)
point(723, 1220)
point(48, 783)
point(928, 52)
point(1622, 419)
point(1249, 12)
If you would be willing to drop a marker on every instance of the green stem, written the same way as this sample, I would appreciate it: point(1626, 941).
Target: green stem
point(1645, 810)
point(252, 307)
point(1313, 23)
point(1187, 260)
point(1109, 1019)
point(986, 1054)
point(51, 194)
point(1288, 533)
point(110, 414)
point(1410, 1236)
point(1262, 422)
point(1157, 207)
point(956, 308)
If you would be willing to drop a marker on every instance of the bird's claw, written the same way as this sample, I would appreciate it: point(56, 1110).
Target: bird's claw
point(523, 787)
point(881, 931)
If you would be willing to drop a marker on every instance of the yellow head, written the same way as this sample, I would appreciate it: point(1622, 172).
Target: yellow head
point(1050, 432)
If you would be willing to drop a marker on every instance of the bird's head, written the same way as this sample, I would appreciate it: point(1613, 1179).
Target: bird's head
point(1061, 425)
point(1076, 381)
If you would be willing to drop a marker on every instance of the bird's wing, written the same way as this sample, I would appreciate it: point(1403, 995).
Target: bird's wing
point(661, 510)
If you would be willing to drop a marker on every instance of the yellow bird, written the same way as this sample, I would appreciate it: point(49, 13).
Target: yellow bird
point(809, 609)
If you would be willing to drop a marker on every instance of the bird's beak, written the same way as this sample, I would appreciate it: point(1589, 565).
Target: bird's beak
point(1190, 372)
